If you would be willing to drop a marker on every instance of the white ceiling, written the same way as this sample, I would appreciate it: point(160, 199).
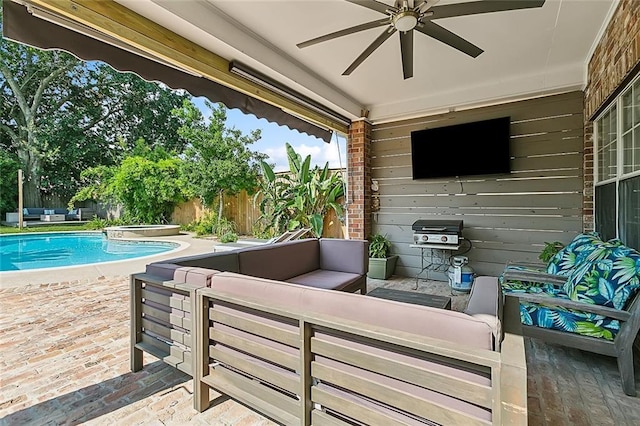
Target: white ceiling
point(526, 52)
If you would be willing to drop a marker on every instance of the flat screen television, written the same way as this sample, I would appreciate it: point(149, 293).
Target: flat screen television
point(477, 148)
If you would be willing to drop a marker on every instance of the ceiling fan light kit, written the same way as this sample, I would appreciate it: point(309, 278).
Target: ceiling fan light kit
point(409, 15)
point(406, 21)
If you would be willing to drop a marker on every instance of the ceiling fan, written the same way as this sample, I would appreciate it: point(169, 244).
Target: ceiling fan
point(405, 16)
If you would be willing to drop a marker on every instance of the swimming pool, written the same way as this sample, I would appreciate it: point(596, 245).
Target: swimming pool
point(50, 250)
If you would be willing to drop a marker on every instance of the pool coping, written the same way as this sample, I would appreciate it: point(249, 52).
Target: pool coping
point(92, 271)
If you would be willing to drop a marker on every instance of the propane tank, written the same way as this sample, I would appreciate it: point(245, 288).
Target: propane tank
point(460, 275)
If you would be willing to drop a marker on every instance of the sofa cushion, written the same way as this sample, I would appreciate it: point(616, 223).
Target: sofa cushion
point(183, 274)
point(485, 303)
point(569, 320)
point(222, 261)
point(280, 261)
point(344, 255)
point(609, 276)
point(196, 276)
point(421, 320)
point(330, 280)
point(161, 270)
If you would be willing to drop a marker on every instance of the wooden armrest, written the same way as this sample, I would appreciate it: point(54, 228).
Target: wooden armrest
point(535, 277)
point(539, 265)
point(551, 301)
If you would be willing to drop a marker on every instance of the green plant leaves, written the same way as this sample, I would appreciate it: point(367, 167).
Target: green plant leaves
point(301, 197)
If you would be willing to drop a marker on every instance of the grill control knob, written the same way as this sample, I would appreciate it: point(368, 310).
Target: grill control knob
point(444, 239)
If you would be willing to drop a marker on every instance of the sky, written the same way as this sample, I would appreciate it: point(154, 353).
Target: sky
point(275, 136)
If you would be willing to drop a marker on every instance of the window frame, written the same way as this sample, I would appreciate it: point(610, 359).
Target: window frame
point(619, 175)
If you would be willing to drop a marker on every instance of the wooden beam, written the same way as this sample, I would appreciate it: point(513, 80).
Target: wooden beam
point(117, 21)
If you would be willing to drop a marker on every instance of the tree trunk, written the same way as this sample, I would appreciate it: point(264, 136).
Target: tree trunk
point(31, 188)
point(220, 205)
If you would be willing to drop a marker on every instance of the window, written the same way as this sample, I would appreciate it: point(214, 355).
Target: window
point(617, 191)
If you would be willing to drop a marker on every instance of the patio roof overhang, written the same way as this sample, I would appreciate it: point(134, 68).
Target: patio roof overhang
point(527, 54)
point(111, 33)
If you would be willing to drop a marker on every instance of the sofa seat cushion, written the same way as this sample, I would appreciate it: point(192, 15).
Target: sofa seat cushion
point(569, 320)
point(330, 280)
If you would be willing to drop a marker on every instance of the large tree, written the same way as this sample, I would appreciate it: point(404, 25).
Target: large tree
point(218, 159)
point(60, 115)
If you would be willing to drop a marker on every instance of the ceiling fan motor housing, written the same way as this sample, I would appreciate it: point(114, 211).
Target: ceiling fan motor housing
point(406, 20)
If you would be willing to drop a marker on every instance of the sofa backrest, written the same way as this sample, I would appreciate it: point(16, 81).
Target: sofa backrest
point(280, 261)
point(420, 320)
point(344, 255)
point(221, 261)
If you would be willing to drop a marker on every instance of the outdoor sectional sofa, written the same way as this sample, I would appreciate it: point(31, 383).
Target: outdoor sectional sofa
point(34, 213)
point(163, 297)
point(304, 354)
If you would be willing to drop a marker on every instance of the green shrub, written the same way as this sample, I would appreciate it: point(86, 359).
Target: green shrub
point(229, 237)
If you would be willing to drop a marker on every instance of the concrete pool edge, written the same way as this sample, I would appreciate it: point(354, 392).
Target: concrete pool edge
point(49, 276)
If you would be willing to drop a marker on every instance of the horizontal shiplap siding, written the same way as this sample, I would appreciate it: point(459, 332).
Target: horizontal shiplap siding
point(506, 217)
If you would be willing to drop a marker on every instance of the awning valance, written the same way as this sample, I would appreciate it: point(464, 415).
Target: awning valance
point(21, 26)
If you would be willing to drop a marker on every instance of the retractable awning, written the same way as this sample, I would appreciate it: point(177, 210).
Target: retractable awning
point(22, 26)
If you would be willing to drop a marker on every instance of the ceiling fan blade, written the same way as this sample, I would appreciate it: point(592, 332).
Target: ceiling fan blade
point(447, 37)
point(486, 6)
point(426, 5)
point(373, 5)
point(369, 50)
point(406, 49)
point(346, 31)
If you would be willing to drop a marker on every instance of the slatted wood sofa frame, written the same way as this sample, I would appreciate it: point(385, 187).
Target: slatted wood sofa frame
point(621, 347)
point(163, 298)
point(293, 356)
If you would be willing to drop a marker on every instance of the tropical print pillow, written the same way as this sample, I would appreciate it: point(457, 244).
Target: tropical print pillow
point(580, 247)
point(609, 276)
point(569, 320)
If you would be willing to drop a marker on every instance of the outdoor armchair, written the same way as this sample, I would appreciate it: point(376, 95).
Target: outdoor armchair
point(586, 298)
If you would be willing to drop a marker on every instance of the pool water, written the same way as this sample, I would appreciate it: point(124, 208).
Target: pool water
point(50, 250)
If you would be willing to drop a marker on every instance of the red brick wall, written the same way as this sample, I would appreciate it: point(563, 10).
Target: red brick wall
point(615, 57)
point(359, 180)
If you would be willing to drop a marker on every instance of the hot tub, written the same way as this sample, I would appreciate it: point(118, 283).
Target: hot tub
point(138, 231)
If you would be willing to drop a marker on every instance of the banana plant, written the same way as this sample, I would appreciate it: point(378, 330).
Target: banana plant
point(301, 197)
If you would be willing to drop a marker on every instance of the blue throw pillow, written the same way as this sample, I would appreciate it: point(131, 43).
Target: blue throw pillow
point(25, 211)
point(51, 211)
point(74, 211)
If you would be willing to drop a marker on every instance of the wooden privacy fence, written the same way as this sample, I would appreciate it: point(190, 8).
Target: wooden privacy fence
point(244, 213)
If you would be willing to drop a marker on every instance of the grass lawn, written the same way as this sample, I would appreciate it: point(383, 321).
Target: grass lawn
point(44, 228)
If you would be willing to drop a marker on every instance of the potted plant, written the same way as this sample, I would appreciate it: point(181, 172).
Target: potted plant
point(550, 250)
point(381, 263)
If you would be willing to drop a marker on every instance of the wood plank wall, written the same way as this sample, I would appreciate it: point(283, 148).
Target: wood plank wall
point(506, 217)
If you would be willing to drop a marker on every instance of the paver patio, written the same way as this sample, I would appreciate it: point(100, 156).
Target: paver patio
point(64, 359)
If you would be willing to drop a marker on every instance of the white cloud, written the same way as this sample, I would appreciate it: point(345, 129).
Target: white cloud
point(320, 154)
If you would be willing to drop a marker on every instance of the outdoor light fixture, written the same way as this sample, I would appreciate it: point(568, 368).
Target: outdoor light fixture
point(269, 83)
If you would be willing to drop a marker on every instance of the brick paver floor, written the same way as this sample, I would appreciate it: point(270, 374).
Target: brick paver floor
point(64, 359)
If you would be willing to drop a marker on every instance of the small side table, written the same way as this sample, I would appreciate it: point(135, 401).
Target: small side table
point(432, 300)
point(13, 217)
point(52, 218)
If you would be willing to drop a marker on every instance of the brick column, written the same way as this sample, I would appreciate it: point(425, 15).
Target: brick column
point(615, 61)
point(359, 179)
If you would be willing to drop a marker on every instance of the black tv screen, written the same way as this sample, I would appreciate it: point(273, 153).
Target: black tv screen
point(477, 148)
